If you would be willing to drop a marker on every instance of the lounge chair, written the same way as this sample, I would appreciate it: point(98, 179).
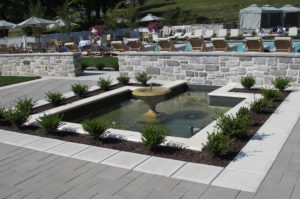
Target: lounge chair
point(145, 36)
point(176, 35)
point(220, 44)
point(198, 33)
point(293, 32)
point(254, 44)
point(6, 48)
point(119, 46)
point(234, 33)
point(34, 47)
point(137, 45)
point(208, 34)
point(198, 43)
point(222, 33)
point(167, 45)
point(71, 46)
point(283, 44)
point(185, 36)
point(51, 47)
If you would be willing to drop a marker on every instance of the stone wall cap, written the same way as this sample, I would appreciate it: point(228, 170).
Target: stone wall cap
point(238, 54)
point(41, 54)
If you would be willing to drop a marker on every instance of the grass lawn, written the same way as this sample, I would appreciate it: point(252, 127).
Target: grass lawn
point(99, 62)
point(7, 80)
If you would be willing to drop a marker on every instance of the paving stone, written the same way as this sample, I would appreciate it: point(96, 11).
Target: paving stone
point(245, 195)
point(163, 183)
point(113, 173)
point(95, 154)
point(67, 149)
point(216, 192)
point(160, 166)
point(125, 160)
point(196, 191)
point(6, 135)
point(22, 140)
point(44, 144)
point(197, 173)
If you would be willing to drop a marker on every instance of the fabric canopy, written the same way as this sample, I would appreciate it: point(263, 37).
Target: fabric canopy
point(289, 9)
point(59, 23)
point(150, 17)
point(35, 22)
point(255, 17)
point(291, 15)
point(5, 25)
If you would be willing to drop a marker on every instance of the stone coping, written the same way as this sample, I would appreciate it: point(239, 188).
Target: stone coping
point(41, 54)
point(211, 53)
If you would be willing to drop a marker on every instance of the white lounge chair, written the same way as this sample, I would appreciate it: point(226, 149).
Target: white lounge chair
point(293, 32)
point(208, 34)
point(185, 36)
point(198, 33)
point(176, 35)
point(222, 33)
point(234, 33)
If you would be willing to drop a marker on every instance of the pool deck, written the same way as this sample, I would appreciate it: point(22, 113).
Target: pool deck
point(28, 173)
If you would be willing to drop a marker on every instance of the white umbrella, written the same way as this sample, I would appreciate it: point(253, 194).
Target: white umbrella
point(35, 22)
point(59, 23)
point(150, 17)
point(5, 24)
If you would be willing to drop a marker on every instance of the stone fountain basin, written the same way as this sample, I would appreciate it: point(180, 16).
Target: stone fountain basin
point(152, 95)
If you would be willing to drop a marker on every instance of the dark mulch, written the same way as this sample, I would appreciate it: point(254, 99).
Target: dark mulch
point(90, 94)
point(244, 90)
point(257, 120)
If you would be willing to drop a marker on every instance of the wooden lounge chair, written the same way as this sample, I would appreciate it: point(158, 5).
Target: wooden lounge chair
point(6, 48)
point(167, 45)
point(220, 44)
point(34, 47)
point(119, 46)
point(51, 47)
point(198, 43)
point(293, 32)
point(208, 34)
point(222, 33)
point(137, 45)
point(254, 44)
point(71, 47)
point(283, 44)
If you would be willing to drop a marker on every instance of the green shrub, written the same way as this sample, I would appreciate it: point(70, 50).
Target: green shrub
point(50, 123)
point(122, 79)
point(217, 144)
point(2, 114)
point(17, 117)
point(104, 83)
point(84, 66)
point(100, 65)
point(80, 90)
point(282, 83)
point(243, 112)
point(258, 106)
point(248, 81)
point(143, 78)
point(95, 127)
point(100, 62)
point(232, 126)
point(153, 135)
point(55, 98)
point(270, 94)
point(25, 104)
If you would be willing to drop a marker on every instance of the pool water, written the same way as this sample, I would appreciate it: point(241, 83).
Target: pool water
point(180, 113)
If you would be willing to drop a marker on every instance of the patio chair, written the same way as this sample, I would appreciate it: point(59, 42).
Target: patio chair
point(6, 48)
point(167, 45)
point(34, 47)
point(254, 44)
point(222, 33)
point(119, 46)
point(198, 43)
point(220, 44)
point(71, 47)
point(293, 32)
point(234, 33)
point(51, 47)
point(208, 34)
point(175, 36)
point(198, 33)
point(185, 36)
point(137, 45)
point(145, 36)
point(283, 44)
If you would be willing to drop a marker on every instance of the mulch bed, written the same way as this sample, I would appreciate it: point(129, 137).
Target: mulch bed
point(257, 120)
point(90, 94)
point(243, 90)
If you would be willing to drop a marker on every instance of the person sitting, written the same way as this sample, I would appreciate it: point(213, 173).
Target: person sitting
point(280, 30)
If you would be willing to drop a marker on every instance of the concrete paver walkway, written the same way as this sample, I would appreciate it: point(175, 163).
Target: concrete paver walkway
point(25, 173)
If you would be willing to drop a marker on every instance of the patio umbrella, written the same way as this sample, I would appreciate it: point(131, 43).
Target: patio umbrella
point(59, 23)
point(6, 25)
point(150, 17)
point(35, 22)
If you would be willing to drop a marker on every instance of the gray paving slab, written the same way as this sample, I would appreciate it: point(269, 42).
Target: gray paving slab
point(216, 192)
point(68, 149)
point(95, 154)
point(44, 144)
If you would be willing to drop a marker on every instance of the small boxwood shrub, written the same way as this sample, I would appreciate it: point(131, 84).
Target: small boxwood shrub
point(104, 83)
point(17, 117)
point(153, 135)
point(259, 106)
point(243, 112)
point(95, 127)
point(248, 81)
point(143, 78)
point(50, 123)
point(271, 94)
point(2, 114)
point(281, 83)
point(25, 104)
point(100, 65)
point(55, 98)
point(232, 126)
point(80, 90)
point(217, 144)
point(122, 79)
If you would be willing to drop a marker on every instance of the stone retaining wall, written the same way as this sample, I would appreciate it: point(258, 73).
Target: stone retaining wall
point(211, 68)
point(40, 64)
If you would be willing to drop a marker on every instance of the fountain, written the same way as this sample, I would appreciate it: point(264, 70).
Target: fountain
point(151, 96)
